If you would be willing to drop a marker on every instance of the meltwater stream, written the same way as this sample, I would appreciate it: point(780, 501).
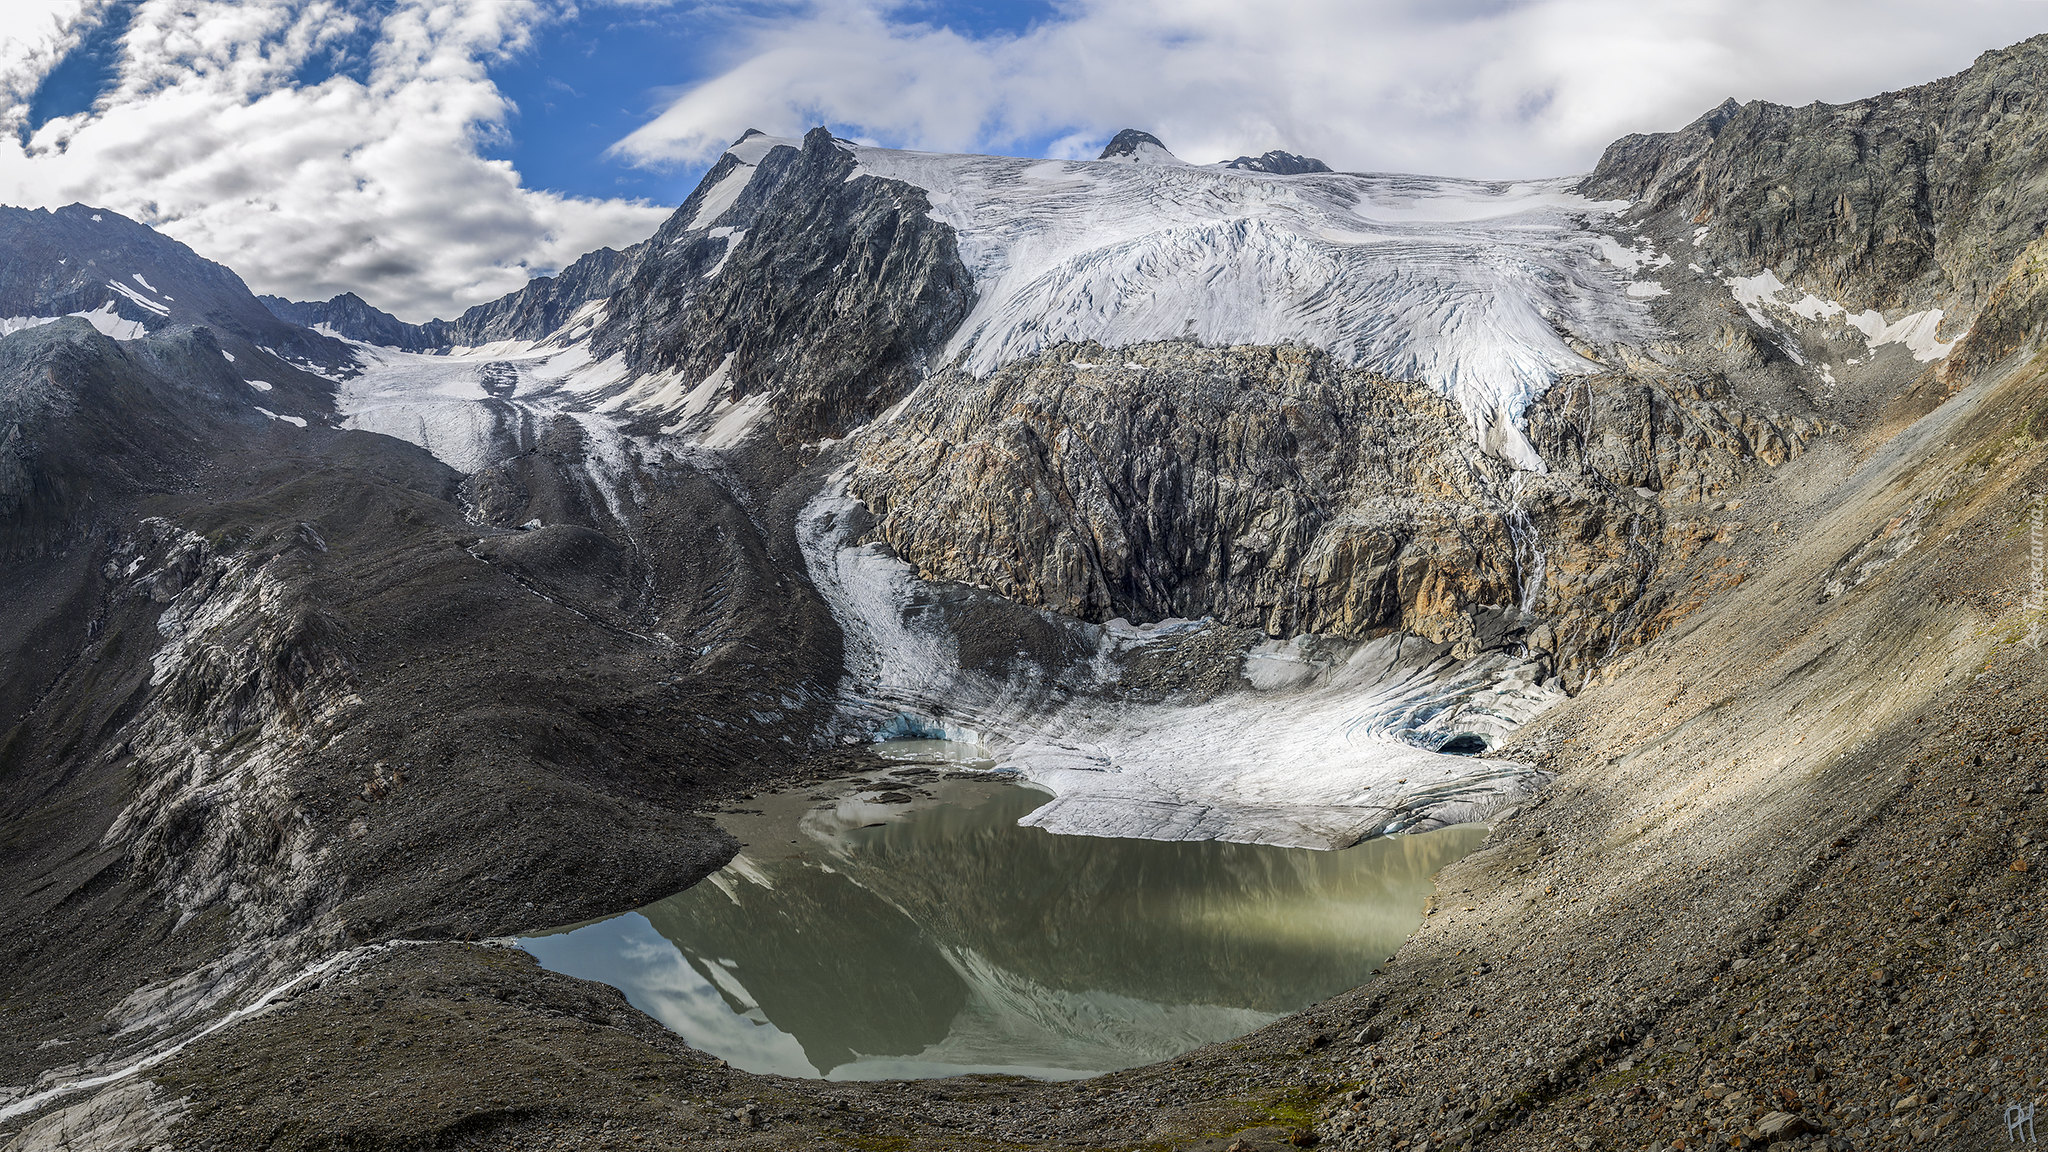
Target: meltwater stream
point(911, 928)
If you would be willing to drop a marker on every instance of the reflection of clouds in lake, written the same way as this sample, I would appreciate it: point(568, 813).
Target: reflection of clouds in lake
point(628, 954)
point(947, 939)
point(1013, 1021)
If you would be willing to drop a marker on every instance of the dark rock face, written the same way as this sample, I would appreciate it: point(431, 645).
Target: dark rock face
point(82, 259)
point(534, 312)
point(831, 303)
point(351, 316)
point(1279, 163)
point(1128, 142)
point(1914, 199)
point(1276, 490)
point(2012, 322)
point(545, 304)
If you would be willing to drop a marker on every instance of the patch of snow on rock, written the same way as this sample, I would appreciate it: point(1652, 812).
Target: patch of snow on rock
point(1918, 331)
point(139, 299)
point(723, 195)
point(111, 323)
point(12, 324)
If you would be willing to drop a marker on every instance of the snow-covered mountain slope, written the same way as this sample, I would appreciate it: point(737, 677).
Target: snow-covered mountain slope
point(476, 407)
point(1470, 287)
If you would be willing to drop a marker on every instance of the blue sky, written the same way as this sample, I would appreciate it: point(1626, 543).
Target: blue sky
point(434, 154)
point(84, 73)
point(581, 85)
point(589, 82)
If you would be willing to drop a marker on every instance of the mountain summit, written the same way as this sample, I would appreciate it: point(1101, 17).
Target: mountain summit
point(1279, 163)
point(1131, 146)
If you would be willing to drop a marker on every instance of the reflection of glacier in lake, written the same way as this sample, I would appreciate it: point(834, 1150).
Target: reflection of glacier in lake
point(937, 937)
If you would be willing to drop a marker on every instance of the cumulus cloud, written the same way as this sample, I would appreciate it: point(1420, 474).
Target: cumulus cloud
point(37, 35)
point(372, 180)
point(1489, 88)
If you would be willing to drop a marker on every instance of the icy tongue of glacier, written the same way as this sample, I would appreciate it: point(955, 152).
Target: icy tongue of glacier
point(1318, 755)
point(472, 407)
point(1470, 287)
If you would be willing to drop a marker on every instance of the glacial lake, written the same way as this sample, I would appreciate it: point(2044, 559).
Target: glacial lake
point(905, 926)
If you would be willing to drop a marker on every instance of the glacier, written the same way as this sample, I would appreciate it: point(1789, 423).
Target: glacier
point(1327, 749)
point(1475, 288)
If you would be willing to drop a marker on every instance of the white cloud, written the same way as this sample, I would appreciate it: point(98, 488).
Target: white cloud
point(36, 36)
point(377, 185)
point(1490, 88)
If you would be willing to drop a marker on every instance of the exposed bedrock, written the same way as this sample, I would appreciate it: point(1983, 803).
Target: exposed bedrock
point(1276, 490)
point(1914, 199)
point(2012, 322)
point(833, 305)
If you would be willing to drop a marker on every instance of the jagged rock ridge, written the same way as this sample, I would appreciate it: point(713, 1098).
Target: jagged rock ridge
point(129, 279)
point(1279, 163)
point(533, 312)
point(1914, 199)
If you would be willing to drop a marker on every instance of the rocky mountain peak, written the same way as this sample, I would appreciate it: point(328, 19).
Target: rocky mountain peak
point(127, 279)
point(1131, 146)
point(1279, 163)
point(1721, 113)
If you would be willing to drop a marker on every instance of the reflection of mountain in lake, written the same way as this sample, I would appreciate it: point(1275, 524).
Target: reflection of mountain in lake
point(951, 938)
point(822, 957)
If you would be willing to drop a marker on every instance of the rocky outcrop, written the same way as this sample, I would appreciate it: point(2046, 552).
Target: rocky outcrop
point(1279, 163)
point(1136, 147)
point(1915, 199)
point(2012, 321)
point(248, 680)
point(1683, 435)
point(824, 291)
point(1171, 480)
point(534, 312)
point(1273, 489)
